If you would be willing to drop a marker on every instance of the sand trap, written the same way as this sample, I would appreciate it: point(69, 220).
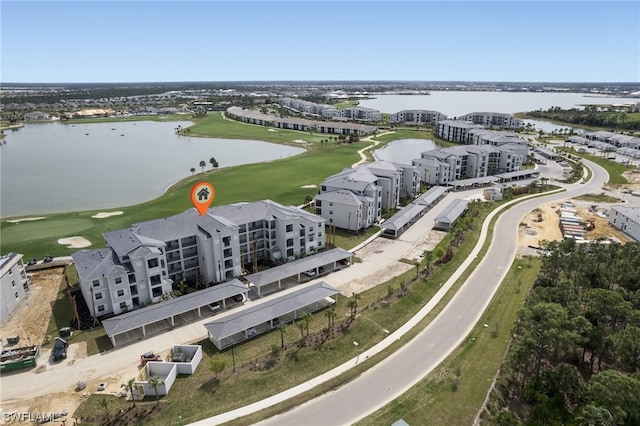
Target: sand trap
point(309, 186)
point(102, 215)
point(299, 141)
point(272, 130)
point(74, 242)
point(26, 219)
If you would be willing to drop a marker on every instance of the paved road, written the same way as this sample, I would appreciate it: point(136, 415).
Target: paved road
point(390, 378)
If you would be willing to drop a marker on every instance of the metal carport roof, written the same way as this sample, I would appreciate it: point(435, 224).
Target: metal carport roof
point(299, 266)
point(237, 322)
point(163, 310)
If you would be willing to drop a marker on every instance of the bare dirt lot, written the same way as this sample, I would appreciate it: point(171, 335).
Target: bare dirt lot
point(30, 318)
point(532, 231)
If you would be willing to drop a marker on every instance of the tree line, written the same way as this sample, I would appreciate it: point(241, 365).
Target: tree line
point(592, 116)
point(575, 354)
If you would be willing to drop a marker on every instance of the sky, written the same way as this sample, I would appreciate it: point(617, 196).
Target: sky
point(165, 41)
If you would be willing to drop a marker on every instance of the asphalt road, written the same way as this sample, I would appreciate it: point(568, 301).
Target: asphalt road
point(393, 376)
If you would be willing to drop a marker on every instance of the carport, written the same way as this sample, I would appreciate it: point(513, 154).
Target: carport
point(234, 328)
point(518, 175)
point(275, 276)
point(446, 219)
point(478, 182)
point(156, 318)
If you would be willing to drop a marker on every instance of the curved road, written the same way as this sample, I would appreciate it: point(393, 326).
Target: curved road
point(397, 373)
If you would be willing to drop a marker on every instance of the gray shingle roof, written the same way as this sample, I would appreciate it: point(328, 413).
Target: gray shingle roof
point(163, 310)
point(452, 211)
point(252, 316)
point(95, 264)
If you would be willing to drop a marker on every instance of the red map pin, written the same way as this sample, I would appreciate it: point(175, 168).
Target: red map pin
point(202, 194)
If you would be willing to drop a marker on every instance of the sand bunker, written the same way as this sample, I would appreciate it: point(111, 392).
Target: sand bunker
point(75, 242)
point(26, 219)
point(102, 215)
point(272, 130)
point(299, 141)
point(309, 186)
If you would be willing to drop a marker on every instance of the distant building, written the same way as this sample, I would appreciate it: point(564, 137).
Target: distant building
point(361, 114)
point(14, 281)
point(141, 263)
point(455, 130)
point(417, 117)
point(36, 115)
point(493, 119)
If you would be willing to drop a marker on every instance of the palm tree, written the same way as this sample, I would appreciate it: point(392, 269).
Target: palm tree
point(155, 382)
point(193, 171)
point(203, 165)
point(104, 404)
point(214, 163)
point(129, 386)
point(307, 319)
point(282, 329)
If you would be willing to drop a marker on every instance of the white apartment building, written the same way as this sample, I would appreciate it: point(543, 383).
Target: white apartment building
point(492, 137)
point(626, 219)
point(417, 117)
point(442, 166)
point(141, 263)
point(310, 108)
point(361, 114)
point(455, 130)
point(14, 283)
point(493, 119)
point(354, 198)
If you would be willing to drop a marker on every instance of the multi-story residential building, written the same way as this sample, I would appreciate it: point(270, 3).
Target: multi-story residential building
point(141, 263)
point(310, 108)
point(354, 198)
point(14, 281)
point(361, 114)
point(417, 117)
point(492, 137)
point(442, 166)
point(455, 130)
point(493, 119)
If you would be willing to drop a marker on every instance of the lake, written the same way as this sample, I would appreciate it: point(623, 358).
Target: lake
point(457, 103)
point(55, 167)
point(404, 150)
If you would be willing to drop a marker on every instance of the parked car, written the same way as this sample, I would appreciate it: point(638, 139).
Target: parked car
point(240, 298)
point(149, 356)
point(310, 273)
point(32, 261)
point(102, 386)
point(250, 332)
point(59, 349)
point(47, 258)
point(276, 322)
point(214, 306)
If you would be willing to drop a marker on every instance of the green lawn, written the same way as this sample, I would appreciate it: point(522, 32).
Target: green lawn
point(614, 169)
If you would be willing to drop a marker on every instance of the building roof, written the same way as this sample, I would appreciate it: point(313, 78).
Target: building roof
point(404, 216)
point(7, 261)
point(290, 269)
point(135, 319)
point(632, 213)
point(252, 316)
point(452, 212)
point(95, 264)
point(432, 195)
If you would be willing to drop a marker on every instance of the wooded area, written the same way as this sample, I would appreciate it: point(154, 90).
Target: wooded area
point(575, 354)
point(591, 116)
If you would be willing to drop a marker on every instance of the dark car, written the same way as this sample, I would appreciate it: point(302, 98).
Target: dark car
point(149, 356)
point(33, 261)
point(59, 349)
point(47, 258)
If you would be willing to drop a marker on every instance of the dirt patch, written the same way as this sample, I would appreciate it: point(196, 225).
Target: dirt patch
point(543, 224)
point(30, 319)
point(633, 177)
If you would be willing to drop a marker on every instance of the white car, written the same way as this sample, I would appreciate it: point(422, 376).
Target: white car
point(214, 306)
point(310, 273)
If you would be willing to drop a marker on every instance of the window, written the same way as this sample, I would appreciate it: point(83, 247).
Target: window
point(96, 283)
point(156, 291)
point(120, 293)
point(155, 279)
point(98, 296)
point(17, 297)
point(289, 242)
point(132, 278)
point(118, 280)
point(289, 228)
point(318, 203)
point(123, 305)
point(100, 308)
point(13, 283)
point(152, 263)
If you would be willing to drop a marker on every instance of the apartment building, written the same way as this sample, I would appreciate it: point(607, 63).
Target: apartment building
point(455, 130)
point(14, 283)
point(417, 117)
point(141, 263)
point(626, 219)
point(361, 114)
point(354, 198)
point(442, 166)
point(493, 119)
point(308, 107)
point(492, 137)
